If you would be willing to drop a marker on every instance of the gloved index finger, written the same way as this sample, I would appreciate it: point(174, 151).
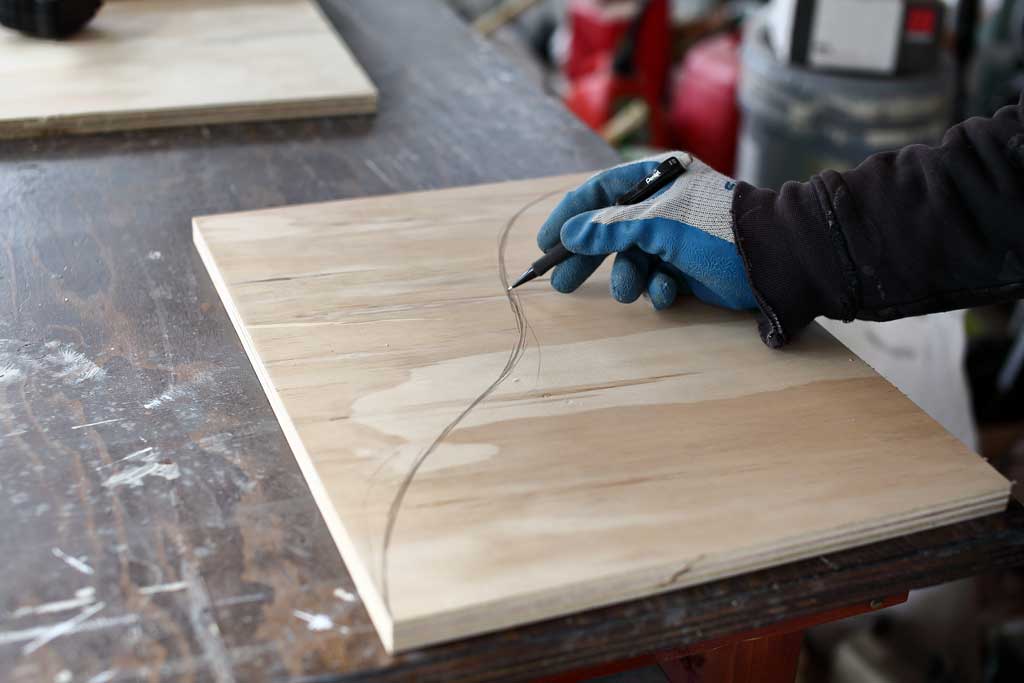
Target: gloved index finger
point(598, 192)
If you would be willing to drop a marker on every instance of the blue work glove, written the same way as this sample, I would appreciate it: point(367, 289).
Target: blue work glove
point(679, 240)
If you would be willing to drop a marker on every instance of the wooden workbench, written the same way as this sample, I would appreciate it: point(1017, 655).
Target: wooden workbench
point(209, 561)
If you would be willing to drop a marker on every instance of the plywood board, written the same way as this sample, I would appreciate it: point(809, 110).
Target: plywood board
point(154, 63)
point(630, 452)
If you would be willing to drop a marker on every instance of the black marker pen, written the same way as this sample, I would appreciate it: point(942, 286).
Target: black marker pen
point(667, 171)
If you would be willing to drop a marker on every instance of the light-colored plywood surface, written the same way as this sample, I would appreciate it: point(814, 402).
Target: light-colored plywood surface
point(630, 452)
point(153, 63)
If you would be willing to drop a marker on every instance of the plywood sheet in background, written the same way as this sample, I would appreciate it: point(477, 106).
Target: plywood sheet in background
point(154, 63)
point(629, 453)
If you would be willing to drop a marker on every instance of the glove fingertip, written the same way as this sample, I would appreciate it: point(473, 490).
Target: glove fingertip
point(629, 275)
point(569, 275)
point(625, 291)
point(563, 281)
point(662, 290)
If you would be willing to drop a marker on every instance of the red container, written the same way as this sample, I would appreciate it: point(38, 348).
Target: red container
point(596, 97)
point(703, 114)
point(596, 27)
point(595, 90)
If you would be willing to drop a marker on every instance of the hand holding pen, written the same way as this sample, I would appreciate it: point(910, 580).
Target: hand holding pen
point(670, 224)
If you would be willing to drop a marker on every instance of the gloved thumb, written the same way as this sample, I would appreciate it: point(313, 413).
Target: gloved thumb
point(585, 234)
point(598, 192)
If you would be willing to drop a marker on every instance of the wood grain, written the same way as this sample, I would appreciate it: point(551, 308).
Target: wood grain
point(634, 453)
point(239, 524)
point(155, 63)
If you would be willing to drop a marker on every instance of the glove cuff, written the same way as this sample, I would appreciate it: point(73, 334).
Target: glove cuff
point(795, 256)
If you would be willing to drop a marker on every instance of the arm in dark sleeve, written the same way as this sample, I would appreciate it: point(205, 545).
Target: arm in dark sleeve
point(915, 231)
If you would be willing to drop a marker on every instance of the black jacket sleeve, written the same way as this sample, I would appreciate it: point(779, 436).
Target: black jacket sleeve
point(915, 231)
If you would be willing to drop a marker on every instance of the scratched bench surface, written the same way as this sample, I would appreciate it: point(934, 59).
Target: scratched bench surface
point(629, 452)
point(113, 278)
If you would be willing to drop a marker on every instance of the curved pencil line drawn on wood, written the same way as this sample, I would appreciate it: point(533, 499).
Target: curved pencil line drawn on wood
point(515, 355)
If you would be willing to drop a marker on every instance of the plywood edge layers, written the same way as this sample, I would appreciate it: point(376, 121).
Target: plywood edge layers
point(523, 609)
point(375, 606)
point(356, 65)
point(213, 114)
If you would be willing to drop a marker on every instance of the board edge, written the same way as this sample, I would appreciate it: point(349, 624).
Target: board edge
point(364, 583)
point(409, 634)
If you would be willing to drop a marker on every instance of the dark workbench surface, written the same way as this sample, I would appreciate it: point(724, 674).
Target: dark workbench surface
point(200, 558)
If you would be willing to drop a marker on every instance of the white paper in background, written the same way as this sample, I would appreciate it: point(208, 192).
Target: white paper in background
point(780, 19)
point(856, 34)
point(924, 358)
